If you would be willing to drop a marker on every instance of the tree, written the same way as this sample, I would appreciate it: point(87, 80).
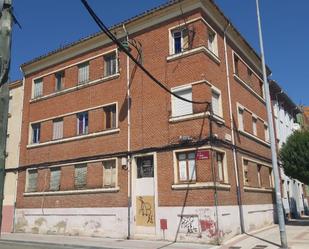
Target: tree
point(295, 156)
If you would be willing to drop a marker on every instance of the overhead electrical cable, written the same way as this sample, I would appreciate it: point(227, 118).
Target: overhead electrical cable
point(119, 44)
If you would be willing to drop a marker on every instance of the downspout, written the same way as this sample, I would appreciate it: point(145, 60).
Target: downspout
point(129, 139)
point(241, 215)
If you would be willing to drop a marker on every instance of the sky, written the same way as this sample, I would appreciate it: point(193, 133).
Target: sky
point(50, 24)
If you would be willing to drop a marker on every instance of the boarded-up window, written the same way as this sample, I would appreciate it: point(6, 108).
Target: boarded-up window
point(32, 180)
point(80, 176)
point(58, 128)
point(55, 175)
point(83, 73)
point(109, 173)
point(110, 116)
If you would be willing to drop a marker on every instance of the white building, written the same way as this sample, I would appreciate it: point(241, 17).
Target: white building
point(12, 154)
point(285, 112)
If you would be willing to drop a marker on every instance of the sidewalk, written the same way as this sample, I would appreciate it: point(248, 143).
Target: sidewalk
point(90, 242)
point(297, 235)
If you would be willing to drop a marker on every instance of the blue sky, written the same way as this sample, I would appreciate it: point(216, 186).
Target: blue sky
point(49, 24)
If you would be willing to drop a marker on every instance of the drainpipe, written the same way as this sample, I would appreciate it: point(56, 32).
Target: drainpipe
point(241, 215)
point(129, 139)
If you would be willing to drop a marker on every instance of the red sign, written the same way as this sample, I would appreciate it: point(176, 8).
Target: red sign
point(163, 224)
point(202, 155)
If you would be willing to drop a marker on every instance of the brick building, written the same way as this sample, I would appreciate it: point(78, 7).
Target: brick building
point(160, 167)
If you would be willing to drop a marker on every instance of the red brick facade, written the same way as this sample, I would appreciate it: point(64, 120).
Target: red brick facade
point(153, 129)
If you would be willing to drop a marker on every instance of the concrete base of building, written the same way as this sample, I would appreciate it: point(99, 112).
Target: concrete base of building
point(7, 219)
point(190, 224)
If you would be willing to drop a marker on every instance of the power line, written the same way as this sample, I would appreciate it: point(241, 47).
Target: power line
point(115, 40)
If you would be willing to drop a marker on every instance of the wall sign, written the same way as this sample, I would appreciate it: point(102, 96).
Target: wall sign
point(202, 155)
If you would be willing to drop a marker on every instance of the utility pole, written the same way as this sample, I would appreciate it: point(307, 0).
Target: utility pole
point(284, 243)
point(5, 55)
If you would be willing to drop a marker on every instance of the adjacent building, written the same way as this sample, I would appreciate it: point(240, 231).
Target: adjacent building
point(12, 154)
point(285, 113)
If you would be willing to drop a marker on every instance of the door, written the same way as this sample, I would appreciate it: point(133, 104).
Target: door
point(144, 195)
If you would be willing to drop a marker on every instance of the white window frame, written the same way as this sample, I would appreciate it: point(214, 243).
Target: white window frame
point(38, 136)
point(62, 75)
point(116, 63)
point(214, 47)
point(172, 40)
point(254, 125)
point(189, 178)
point(266, 132)
point(174, 99)
point(240, 118)
point(218, 92)
point(224, 166)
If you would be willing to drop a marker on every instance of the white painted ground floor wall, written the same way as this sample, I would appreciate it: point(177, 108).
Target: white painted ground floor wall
point(196, 224)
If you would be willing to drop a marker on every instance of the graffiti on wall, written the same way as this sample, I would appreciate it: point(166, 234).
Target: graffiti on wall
point(145, 211)
point(189, 224)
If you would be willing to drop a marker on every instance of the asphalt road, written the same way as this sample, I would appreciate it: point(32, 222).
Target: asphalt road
point(22, 245)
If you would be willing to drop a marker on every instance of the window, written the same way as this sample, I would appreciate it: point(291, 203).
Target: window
point(180, 41)
point(259, 169)
point(36, 133)
point(236, 65)
point(59, 77)
point(110, 64)
point(145, 167)
point(80, 176)
point(249, 72)
point(220, 166)
point(216, 102)
point(180, 107)
point(246, 172)
point(109, 173)
point(83, 73)
point(186, 167)
point(55, 176)
point(110, 116)
point(32, 180)
point(261, 84)
point(254, 126)
point(266, 132)
point(38, 88)
point(82, 123)
point(240, 119)
point(270, 170)
point(58, 128)
point(212, 42)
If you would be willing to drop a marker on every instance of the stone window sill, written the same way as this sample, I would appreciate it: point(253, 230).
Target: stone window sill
point(256, 189)
point(71, 192)
point(217, 119)
point(201, 185)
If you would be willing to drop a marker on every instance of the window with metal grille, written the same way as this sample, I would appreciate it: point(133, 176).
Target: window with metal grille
point(110, 64)
point(55, 177)
point(145, 167)
point(38, 88)
point(58, 128)
point(110, 116)
point(83, 73)
point(80, 176)
point(32, 180)
point(109, 173)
